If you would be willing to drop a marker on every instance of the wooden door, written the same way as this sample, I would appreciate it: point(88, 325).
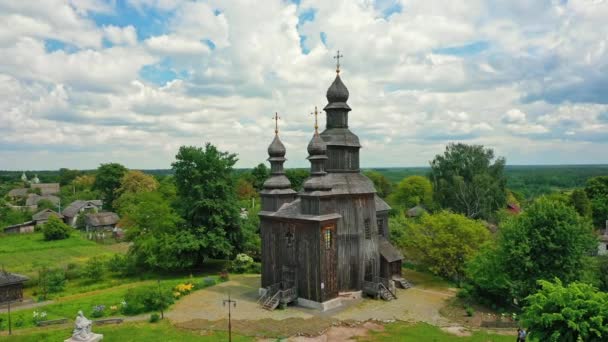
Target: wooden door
point(329, 285)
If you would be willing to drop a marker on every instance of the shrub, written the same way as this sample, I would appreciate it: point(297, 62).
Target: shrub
point(98, 311)
point(469, 310)
point(208, 281)
point(144, 299)
point(54, 229)
point(93, 270)
point(50, 281)
point(224, 276)
point(19, 321)
point(38, 317)
point(154, 318)
point(242, 263)
point(122, 264)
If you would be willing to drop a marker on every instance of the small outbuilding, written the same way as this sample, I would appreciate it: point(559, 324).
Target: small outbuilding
point(21, 228)
point(101, 221)
point(47, 188)
point(11, 286)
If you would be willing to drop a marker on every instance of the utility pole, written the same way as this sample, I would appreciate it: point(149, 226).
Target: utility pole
point(162, 301)
point(230, 303)
point(10, 326)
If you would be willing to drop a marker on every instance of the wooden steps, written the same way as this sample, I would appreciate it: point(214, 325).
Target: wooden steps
point(385, 293)
point(402, 283)
point(272, 302)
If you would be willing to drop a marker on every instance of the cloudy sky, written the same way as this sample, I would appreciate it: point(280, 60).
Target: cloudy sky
point(83, 82)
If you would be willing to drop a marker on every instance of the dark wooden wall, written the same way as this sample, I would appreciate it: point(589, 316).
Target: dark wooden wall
point(354, 250)
point(305, 256)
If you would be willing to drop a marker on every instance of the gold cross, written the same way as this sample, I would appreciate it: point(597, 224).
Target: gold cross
point(276, 123)
point(337, 58)
point(315, 113)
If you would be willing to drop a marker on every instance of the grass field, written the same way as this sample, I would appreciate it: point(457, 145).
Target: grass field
point(26, 253)
point(130, 332)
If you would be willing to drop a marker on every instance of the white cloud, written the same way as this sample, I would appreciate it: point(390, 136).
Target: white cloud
point(415, 78)
point(121, 35)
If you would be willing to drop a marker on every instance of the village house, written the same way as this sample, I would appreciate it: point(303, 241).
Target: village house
point(41, 217)
point(104, 221)
point(46, 188)
point(71, 212)
point(31, 203)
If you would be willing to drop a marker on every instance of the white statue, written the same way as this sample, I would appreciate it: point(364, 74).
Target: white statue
point(82, 329)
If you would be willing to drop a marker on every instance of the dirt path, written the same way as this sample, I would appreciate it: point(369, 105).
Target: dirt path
point(25, 305)
point(203, 310)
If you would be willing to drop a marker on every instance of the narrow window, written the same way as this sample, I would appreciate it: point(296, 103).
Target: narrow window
point(327, 238)
point(368, 229)
point(289, 239)
point(381, 227)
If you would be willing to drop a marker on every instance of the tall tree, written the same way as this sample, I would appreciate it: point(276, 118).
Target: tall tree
point(260, 173)
point(549, 239)
point(558, 313)
point(443, 242)
point(382, 185)
point(66, 176)
point(469, 180)
point(581, 202)
point(597, 191)
point(207, 197)
point(107, 181)
point(135, 181)
point(297, 177)
point(413, 191)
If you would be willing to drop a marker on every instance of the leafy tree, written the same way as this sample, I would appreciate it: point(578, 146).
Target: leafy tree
point(55, 229)
point(46, 204)
point(581, 202)
point(547, 240)
point(245, 190)
point(297, 177)
point(382, 185)
point(66, 176)
point(135, 181)
point(147, 212)
point(50, 281)
point(602, 271)
point(107, 181)
point(443, 242)
point(259, 174)
point(412, 191)
point(577, 312)
point(468, 180)
point(83, 182)
point(207, 198)
point(597, 191)
point(9, 216)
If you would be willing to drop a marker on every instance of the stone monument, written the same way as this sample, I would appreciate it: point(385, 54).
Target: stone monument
point(82, 330)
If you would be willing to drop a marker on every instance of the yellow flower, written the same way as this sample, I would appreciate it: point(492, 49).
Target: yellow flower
point(176, 294)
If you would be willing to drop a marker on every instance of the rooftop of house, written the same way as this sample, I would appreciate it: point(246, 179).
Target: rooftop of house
point(7, 278)
point(102, 219)
point(47, 188)
point(45, 214)
point(75, 207)
point(33, 199)
point(19, 192)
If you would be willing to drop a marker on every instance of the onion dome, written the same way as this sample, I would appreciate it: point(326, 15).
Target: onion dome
point(316, 146)
point(337, 92)
point(276, 148)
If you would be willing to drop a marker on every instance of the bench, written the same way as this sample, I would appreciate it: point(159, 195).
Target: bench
point(108, 321)
point(51, 322)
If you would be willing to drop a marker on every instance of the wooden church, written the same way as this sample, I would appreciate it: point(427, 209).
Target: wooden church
point(330, 239)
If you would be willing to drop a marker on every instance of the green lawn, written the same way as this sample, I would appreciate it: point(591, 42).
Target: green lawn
point(26, 253)
point(68, 306)
point(130, 332)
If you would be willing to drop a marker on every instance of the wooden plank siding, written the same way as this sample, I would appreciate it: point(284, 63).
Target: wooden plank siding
point(354, 250)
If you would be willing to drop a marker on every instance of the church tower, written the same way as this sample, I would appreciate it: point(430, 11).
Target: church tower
point(276, 189)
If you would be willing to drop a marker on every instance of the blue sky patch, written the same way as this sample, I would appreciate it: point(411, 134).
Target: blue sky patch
point(464, 50)
point(148, 22)
point(159, 73)
point(323, 37)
